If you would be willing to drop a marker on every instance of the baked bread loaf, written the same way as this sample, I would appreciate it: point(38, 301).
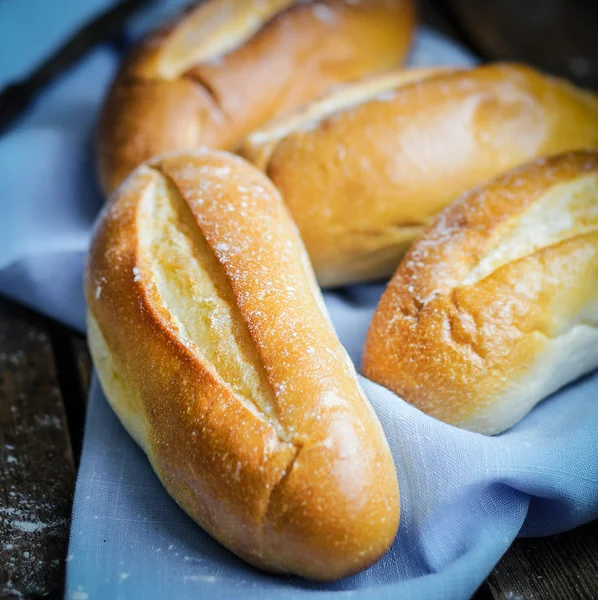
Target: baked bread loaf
point(214, 348)
point(496, 306)
point(228, 66)
point(365, 170)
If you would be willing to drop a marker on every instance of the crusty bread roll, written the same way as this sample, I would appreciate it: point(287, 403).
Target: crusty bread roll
point(496, 306)
point(214, 348)
point(365, 170)
point(228, 66)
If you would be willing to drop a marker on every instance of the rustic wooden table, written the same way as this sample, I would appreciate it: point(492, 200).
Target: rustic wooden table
point(45, 367)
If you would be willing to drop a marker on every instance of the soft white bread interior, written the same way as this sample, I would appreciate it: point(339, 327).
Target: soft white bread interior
point(226, 67)
point(496, 306)
point(214, 348)
point(365, 170)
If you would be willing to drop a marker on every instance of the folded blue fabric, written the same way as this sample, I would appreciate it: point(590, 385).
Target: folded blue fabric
point(464, 497)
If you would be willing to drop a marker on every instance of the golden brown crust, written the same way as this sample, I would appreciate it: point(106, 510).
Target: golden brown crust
point(225, 68)
point(362, 183)
point(209, 338)
point(259, 145)
point(496, 305)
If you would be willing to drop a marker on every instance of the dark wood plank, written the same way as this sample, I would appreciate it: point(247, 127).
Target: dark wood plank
point(559, 36)
point(562, 566)
point(432, 15)
point(73, 367)
point(37, 468)
point(439, 15)
point(83, 363)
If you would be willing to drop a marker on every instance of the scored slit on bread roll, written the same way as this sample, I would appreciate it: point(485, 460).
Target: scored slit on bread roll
point(214, 348)
point(365, 170)
point(496, 306)
point(226, 67)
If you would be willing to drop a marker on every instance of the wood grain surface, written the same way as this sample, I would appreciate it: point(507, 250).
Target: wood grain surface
point(36, 466)
point(563, 567)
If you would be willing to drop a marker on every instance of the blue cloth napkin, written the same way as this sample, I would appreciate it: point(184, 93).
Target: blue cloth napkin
point(464, 497)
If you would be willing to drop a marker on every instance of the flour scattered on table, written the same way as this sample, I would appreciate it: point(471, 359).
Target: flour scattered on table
point(13, 358)
point(28, 523)
point(48, 421)
point(32, 526)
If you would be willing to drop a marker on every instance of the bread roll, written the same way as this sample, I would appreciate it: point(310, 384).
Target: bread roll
point(366, 170)
point(214, 348)
point(228, 66)
point(496, 306)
